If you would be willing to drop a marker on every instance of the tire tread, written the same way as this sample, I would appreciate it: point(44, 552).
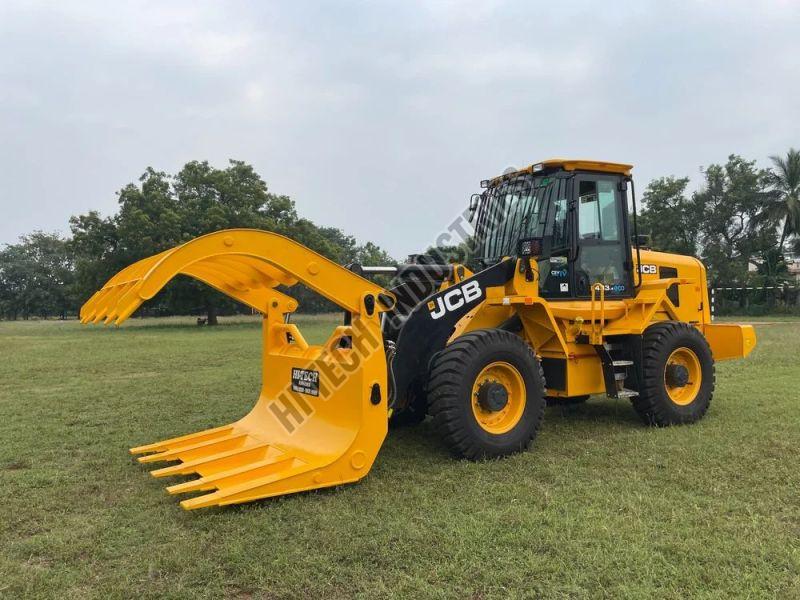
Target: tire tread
point(650, 403)
point(446, 379)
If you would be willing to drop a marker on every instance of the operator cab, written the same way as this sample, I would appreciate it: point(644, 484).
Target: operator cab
point(579, 211)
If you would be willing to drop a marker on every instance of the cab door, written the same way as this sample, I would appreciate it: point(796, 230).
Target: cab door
point(555, 270)
point(601, 243)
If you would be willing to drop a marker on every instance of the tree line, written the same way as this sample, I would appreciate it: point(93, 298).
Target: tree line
point(742, 221)
point(47, 275)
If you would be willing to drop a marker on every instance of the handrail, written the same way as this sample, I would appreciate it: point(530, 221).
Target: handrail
point(597, 332)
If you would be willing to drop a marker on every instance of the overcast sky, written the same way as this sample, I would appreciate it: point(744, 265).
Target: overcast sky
point(380, 118)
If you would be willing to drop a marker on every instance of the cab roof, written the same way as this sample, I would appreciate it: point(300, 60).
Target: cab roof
point(567, 164)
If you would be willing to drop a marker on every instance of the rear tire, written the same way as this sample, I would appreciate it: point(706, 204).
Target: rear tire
point(678, 370)
point(467, 402)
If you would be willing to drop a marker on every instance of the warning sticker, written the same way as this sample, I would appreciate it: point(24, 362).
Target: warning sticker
point(305, 381)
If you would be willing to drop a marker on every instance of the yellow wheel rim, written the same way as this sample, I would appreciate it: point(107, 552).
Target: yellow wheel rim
point(503, 420)
point(686, 393)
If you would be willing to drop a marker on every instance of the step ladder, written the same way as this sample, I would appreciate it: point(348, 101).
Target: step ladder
point(615, 371)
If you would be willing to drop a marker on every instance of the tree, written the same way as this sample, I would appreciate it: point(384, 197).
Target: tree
point(150, 218)
point(163, 211)
point(727, 210)
point(93, 251)
point(771, 267)
point(371, 254)
point(36, 277)
point(669, 217)
point(208, 199)
point(784, 207)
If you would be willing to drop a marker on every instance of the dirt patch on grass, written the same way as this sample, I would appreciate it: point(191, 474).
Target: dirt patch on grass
point(17, 465)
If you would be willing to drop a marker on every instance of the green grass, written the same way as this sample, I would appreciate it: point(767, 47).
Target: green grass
point(600, 507)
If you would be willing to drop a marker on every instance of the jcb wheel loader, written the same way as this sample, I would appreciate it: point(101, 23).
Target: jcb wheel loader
point(567, 304)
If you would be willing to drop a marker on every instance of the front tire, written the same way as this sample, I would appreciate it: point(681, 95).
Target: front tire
point(678, 375)
point(486, 394)
point(415, 412)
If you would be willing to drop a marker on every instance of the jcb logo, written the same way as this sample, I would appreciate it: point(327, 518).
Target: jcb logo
point(647, 269)
point(454, 299)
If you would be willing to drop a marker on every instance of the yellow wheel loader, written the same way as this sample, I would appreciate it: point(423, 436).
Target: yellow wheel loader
point(567, 304)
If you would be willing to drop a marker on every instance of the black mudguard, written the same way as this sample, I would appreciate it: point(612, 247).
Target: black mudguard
point(431, 324)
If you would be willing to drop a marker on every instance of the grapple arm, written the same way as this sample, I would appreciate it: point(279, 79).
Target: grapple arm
point(245, 264)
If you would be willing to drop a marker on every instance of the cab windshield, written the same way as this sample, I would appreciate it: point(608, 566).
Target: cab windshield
point(510, 211)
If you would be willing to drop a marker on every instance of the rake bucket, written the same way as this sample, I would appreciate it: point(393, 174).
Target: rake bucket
point(322, 413)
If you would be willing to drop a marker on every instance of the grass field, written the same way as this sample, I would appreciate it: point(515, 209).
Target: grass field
point(600, 507)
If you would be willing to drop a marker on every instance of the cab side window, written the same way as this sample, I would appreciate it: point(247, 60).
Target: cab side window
point(600, 249)
point(597, 211)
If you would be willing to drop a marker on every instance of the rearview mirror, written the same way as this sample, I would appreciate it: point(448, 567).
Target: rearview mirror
point(474, 200)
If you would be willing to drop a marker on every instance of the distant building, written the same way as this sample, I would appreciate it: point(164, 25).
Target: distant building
point(793, 261)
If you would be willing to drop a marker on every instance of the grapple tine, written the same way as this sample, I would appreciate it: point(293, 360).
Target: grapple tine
point(195, 450)
point(216, 462)
point(251, 490)
point(237, 476)
point(190, 438)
